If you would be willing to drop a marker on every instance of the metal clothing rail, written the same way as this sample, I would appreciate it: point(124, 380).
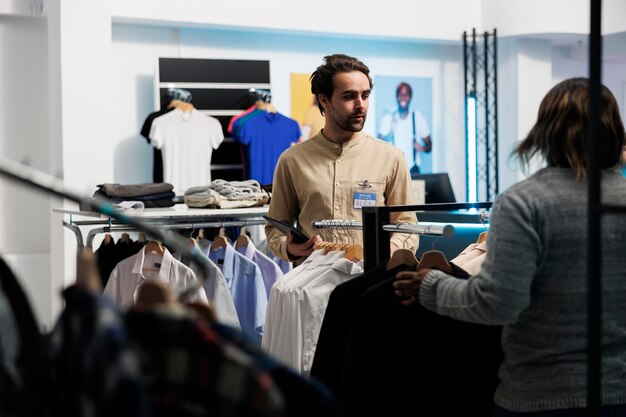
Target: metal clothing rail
point(376, 238)
point(416, 229)
point(52, 185)
point(124, 228)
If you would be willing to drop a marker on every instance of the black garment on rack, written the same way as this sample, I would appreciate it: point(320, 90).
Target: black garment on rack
point(157, 155)
point(106, 260)
point(451, 365)
point(333, 339)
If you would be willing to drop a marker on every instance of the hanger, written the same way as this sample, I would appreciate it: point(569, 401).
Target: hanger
point(141, 238)
point(108, 239)
point(402, 257)
point(219, 242)
point(180, 105)
point(242, 241)
point(125, 238)
point(354, 252)
point(434, 259)
point(87, 276)
point(481, 237)
point(154, 246)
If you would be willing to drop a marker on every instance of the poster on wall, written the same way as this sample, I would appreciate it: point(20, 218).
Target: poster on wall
point(303, 106)
point(404, 118)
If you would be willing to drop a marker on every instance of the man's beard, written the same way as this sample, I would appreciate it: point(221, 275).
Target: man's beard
point(350, 124)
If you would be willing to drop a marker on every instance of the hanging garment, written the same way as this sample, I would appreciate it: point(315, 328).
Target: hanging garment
point(265, 137)
point(130, 273)
point(297, 305)
point(269, 269)
point(246, 286)
point(157, 155)
point(217, 290)
point(187, 140)
point(450, 356)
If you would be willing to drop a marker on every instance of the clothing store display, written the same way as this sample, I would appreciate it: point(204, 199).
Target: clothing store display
point(537, 251)
point(265, 136)
point(246, 285)
point(187, 140)
point(129, 274)
point(362, 168)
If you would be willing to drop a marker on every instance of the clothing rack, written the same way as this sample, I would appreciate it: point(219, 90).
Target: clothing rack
point(376, 236)
point(167, 219)
point(419, 229)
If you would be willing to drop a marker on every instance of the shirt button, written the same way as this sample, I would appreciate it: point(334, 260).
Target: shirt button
point(338, 161)
point(337, 184)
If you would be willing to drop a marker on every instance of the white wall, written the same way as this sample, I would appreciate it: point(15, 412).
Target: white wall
point(418, 19)
point(527, 17)
point(24, 212)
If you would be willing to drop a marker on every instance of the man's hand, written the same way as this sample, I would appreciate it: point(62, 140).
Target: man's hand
point(298, 250)
point(408, 284)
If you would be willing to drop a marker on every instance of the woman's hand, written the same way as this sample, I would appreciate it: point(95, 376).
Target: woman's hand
point(408, 284)
point(298, 250)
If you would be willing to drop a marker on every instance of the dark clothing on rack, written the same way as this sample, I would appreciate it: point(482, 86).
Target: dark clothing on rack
point(454, 371)
point(106, 259)
point(333, 339)
point(157, 155)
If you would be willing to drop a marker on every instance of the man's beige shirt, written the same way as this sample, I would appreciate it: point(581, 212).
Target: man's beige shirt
point(317, 180)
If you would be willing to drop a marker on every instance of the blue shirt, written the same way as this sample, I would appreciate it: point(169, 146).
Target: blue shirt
point(245, 282)
point(267, 135)
point(269, 269)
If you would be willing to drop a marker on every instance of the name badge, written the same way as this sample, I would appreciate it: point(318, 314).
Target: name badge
point(364, 200)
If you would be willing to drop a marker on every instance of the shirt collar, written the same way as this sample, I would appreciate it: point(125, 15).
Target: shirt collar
point(334, 147)
point(228, 267)
point(164, 270)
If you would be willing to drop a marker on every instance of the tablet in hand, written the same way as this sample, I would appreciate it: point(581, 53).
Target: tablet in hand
point(298, 236)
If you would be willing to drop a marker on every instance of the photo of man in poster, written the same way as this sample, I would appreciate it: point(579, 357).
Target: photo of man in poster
point(406, 127)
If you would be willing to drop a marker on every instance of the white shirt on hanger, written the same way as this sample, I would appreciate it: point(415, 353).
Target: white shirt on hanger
point(130, 273)
point(187, 140)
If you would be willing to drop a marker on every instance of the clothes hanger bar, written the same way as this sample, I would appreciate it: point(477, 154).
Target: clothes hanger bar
point(446, 230)
point(51, 185)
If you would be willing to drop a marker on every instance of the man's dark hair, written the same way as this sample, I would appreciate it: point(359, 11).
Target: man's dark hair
point(323, 77)
point(405, 85)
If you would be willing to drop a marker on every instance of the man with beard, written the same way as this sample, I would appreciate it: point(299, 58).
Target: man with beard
point(339, 170)
point(406, 128)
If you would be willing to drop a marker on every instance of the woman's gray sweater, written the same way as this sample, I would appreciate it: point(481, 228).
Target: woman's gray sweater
point(533, 281)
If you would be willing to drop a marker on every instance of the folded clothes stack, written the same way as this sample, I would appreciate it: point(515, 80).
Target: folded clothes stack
point(159, 194)
point(227, 194)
